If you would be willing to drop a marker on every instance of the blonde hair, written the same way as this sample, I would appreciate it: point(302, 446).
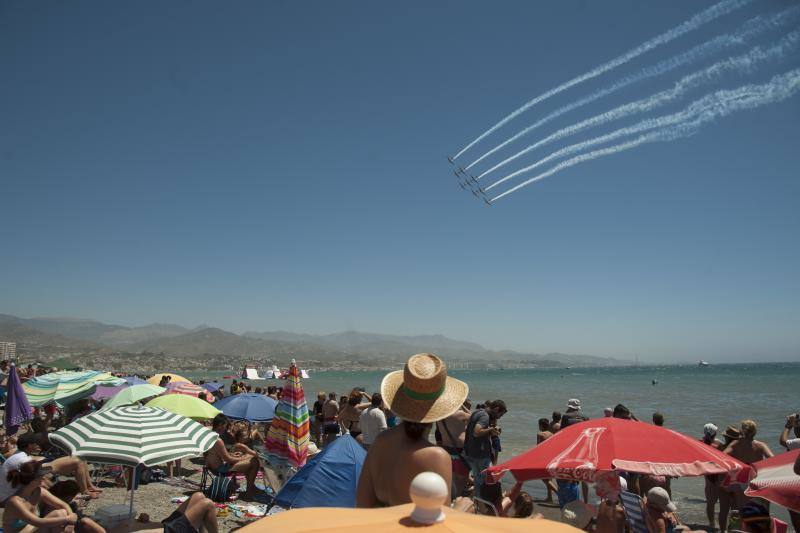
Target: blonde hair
point(749, 428)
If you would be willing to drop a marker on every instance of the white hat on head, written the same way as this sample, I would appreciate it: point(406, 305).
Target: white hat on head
point(659, 498)
point(574, 403)
point(710, 429)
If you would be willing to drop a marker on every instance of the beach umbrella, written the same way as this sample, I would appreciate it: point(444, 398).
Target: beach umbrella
point(63, 388)
point(248, 406)
point(133, 436)
point(287, 439)
point(582, 451)
point(189, 389)
point(212, 387)
point(174, 378)
point(131, 395)
point(774, 480)
point(329, 479)
point(134, 380)
point(17, 409)
point(188, 406)
point(428, 513)
point(103, 392)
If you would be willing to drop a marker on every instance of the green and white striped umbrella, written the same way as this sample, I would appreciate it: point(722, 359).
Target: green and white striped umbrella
point(134, 435)
point(63, 388)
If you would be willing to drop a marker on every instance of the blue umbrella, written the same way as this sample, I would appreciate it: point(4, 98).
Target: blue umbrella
point(329, 479)
point(134, 380)
point(251, 407)
point(212, 387)
point(17, 409)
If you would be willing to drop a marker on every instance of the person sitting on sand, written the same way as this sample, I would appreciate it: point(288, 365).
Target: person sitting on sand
point(610, 514)
point(67, 491)
point(220, 461)
point(27, 448)
point(514, 503)
point(21, 508)
point(660, 511)
point(420, 394)
point(196, 514)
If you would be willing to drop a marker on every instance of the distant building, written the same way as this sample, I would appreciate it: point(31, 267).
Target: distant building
point(8, 350)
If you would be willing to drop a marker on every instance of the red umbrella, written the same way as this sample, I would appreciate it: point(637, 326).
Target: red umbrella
point(189, 389)
point(582, 451)
point(776, 481)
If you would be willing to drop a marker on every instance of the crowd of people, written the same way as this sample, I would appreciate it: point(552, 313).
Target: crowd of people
point(420, 421)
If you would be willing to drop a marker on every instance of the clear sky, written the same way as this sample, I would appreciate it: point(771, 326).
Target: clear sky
point(282, 165)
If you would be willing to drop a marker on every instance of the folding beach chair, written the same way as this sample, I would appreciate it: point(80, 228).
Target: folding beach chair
point(480, 501)
point(633, 506)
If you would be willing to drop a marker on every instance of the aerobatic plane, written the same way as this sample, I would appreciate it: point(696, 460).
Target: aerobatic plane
point(488, 202)
point(450, 159)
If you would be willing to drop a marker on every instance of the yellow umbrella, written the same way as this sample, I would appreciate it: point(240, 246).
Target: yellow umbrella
point(188, 406)
point(175, 378)
point(425, 514)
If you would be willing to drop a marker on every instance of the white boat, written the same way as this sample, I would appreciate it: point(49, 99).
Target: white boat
point(703, 363)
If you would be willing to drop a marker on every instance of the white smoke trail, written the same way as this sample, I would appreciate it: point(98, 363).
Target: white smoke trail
point(779, 88)
point(713, 12)
point(749, 30)
point(743, 63)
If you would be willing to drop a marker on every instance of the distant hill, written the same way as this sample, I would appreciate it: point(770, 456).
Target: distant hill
point(203, 341)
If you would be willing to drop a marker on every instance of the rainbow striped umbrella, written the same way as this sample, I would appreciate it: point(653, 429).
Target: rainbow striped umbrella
point(287, 440)
point(190, 389)
point(63, 388)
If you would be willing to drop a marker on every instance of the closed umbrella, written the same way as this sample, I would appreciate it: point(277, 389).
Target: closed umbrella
point(17, 409)
point(131, 395)
point(248, 406)
point(190, 389)
point(775, 480)
point(63, 388)
point(187, 406)
point(174, 378)
point(287, 439)
point(582, 451)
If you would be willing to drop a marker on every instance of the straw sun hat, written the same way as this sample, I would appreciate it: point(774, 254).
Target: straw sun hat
point(422, 391)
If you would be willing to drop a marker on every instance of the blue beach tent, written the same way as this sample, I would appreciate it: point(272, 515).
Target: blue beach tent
point(328, 480)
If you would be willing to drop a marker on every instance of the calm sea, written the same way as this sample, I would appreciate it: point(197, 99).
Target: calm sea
point(688, 396)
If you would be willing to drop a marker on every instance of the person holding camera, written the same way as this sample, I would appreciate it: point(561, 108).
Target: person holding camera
point(792, 423)
point(478, 449)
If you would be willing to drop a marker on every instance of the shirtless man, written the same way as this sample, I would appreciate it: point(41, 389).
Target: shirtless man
point(713, 480)
point(453, 430)
point(219, 460)
point(543, 435)
point(747, 450)
point(421, 394)
point(330, 416)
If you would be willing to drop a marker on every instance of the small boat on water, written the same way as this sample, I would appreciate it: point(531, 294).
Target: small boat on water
point(703, 363)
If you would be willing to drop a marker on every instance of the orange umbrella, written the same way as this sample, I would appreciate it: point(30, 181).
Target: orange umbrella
point(175, 378)
point(426, 512)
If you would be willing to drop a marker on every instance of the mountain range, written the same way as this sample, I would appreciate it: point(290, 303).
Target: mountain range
point(205, 341)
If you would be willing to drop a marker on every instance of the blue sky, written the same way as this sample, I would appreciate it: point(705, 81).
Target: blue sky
point(282, 165)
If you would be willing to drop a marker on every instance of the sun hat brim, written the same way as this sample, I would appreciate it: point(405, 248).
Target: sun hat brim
point(423, 411)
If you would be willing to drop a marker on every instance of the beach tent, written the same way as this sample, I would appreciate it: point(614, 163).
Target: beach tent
point(17, 409)
point(131, 395)
point(582, 451)
point(776, 481)
point(190, 389)
point(248, 406)
point(62, 364)
point(287, 439)
point(63, 388)
point(329, 479)
point(188, 406)
point(428, 514)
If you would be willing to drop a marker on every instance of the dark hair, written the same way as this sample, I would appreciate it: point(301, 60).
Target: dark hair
point(26, 440)
point(498, 406)
point(332, 396)
point(493, 493)
point(523, 505)
point(65, 490)
point(415, 430)
point(271, 389)
point(377, 399)
point(38, 425)
point(259, 390)
point(544, 424)
point(26, 473)
point(556, 416)
point(620, 411)
point(219, 420)
point(658, 419)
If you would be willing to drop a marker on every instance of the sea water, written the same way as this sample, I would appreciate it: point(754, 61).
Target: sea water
point(687, 396)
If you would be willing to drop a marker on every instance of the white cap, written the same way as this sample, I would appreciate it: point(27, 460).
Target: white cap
point(574, 403)
point(710, 429)
point(659, 498)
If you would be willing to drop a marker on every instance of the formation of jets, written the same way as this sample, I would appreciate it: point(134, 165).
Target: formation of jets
point(469, 181)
